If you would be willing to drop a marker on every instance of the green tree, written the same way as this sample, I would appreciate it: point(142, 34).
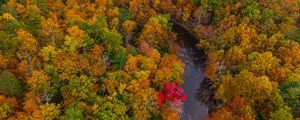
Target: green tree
point(111, 41)
point(251, 12)
point(73, 112)
point(282, 114)
point(291, 93)
point(111, 110)
point(9, 85)
point(7, 46)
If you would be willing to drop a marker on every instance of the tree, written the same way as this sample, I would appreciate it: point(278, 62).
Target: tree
point(31, 104)
point(238, 108)
point(51, 30)
point(128, 27)
point(78, 89)
point(111, 40)
point(7, 16)
point(7, 45)
point(9, 85)
point(170, 70)
point(75, 39)
point(40, 85)
point(291, 92)
point(111, 110)
point(50, 111)
point(172, 93)
point(264, 64)
point(212, 63)
point(48, 53)
point(119, 60)
point(97, 64)
point(68, 65)
point(261, 88)
point(281, 114)
point(3, 62)
point(154, 33)
point(170, 100)
point(142, 98)
point(10, 101)
point(251, 12)
point(109, 86)
point(5, 111)
point(28, 45)
point(73, 112)
point(235, 56)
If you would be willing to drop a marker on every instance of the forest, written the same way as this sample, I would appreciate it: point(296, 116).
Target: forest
point(119, 59)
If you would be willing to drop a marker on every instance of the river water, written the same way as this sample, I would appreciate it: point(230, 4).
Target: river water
point(193, 109)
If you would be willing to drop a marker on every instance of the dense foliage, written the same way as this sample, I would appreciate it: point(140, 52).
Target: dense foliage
point(81, 59)
point(117, 59)
point(252, 52)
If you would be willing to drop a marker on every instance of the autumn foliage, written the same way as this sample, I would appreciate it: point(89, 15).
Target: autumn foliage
point(87, 59)
point(117, 59)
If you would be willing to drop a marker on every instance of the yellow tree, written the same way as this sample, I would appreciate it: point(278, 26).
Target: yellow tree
point(97, 64)
point(170, 70)
point(79, 88)
point(48, 53)
point(68, 65)
point(245, 84)
point(51, 30)
point(39, 84)
point(264, 64)
point(128, 27)
point(74, 39)
point(142, 98)
point(154, 33)
point(235, 56)
point(29, 45)
point(211, 70)
point(131, 64)
point(48, 111)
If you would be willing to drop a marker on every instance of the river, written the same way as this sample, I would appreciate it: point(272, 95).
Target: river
point(193, 109)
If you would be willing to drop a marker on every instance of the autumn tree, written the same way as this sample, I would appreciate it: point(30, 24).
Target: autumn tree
point(173, 97)
point(170, 70)
point(111, 110)
point(48, 53)
point(51, 30)
point(264, 64)
point(77, 89)
point(49, 111)
point(9, 85)
point(75, 39)
point(142, 103)
point(28, 47)
point(128, 27)
point(97, 64)
point(154, 33)
point(261, 88)
point(238, 108)
point(5, 111)
point(68, 65)
point(39, 84)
